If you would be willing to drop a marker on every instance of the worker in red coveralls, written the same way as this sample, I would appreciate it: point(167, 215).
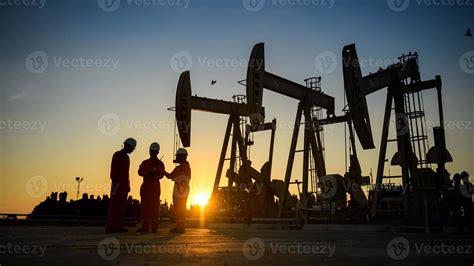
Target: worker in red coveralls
point(181, 176)
point(152, 170)
point(119, 173)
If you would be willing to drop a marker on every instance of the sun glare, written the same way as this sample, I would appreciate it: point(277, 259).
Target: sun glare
point(201, 198)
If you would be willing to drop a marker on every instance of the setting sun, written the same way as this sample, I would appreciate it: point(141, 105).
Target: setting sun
point(201, 198)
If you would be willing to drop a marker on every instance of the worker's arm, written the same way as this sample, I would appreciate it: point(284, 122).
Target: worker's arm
point(114, 168)
point(141, 169)
point(173, 174)
point(161, 170)
point(168, 175)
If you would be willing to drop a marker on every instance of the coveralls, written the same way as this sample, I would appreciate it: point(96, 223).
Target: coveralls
point(152, 170)
point(181, 176)
point(119, 190)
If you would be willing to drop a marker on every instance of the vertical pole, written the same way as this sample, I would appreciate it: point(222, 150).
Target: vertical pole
point(272, 144)
point(382, 152)
point(240, 142)
point(222, 157)
point(318, 145)
point(233, 151)
point(291, 157)
point(307, 122)
point(442, 138)
point(403, 144)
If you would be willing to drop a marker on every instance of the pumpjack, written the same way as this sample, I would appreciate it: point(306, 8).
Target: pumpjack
point(334, 193)
point(419, 194)
point(243, 180)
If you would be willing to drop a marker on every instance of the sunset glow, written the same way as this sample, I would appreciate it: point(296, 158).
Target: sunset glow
point(201, 198)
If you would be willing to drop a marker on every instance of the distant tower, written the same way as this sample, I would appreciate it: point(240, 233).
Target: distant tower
point(78, 180)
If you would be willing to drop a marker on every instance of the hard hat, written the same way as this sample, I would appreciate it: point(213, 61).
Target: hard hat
point(132, 142)
point(181, 151)
point(155, 146)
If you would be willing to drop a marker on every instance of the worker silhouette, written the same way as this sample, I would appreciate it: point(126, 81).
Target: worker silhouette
point(457, 202)
point(119, 173)
point(152, 170)
point(181, 176)
point(467, 191)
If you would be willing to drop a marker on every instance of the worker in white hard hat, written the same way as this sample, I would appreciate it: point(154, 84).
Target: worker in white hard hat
point(152, 170)
point(181, 176)
point(119, 173)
